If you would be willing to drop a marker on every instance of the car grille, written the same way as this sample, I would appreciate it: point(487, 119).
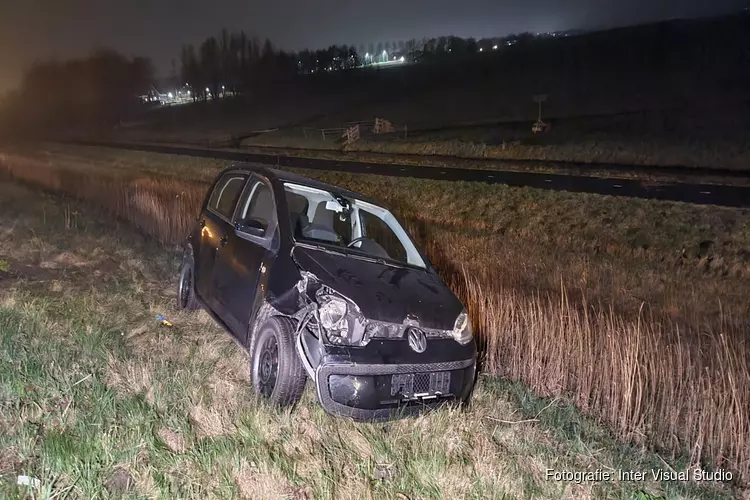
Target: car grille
point(383, 330)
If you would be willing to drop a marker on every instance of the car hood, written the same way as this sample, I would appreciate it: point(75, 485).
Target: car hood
point(384, 292)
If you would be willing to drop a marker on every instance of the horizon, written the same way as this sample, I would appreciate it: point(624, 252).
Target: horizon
point(164, 60)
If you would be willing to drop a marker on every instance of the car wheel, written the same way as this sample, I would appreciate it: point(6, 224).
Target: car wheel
point(186, 298)
point(276, 371)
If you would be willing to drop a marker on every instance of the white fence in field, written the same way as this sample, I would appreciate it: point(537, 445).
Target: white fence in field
point(353, 130)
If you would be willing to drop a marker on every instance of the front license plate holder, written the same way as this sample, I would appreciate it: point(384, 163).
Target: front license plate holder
point(416, 385)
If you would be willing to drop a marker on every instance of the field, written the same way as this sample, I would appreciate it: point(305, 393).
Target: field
point(709, 138)
point(95, 392)
point(671, 93)
point(634, 311)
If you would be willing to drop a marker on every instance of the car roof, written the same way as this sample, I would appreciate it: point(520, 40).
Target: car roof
point(285, 176)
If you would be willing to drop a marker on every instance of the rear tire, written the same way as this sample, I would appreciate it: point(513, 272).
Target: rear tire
point(276, 371)
point(186, 298)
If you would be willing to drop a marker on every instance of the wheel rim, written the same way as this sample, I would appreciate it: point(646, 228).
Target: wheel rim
point(267, 365)
point(186, 282)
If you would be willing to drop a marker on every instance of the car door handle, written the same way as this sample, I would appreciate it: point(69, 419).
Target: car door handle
point(223, 241)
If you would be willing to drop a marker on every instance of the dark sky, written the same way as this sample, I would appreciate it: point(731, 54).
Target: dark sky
point(31, 29)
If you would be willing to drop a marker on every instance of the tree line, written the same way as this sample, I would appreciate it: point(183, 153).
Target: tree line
point(99, 89)
point(104, 87)
point(234, 63)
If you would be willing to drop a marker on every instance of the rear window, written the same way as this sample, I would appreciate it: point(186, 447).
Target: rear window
point(226, 193)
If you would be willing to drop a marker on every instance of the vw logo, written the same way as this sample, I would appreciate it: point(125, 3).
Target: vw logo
point(417, 340)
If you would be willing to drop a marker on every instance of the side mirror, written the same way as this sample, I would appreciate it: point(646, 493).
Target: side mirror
point(253, 227)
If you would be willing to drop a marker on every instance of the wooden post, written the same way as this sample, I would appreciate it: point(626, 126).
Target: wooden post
point(539, 126)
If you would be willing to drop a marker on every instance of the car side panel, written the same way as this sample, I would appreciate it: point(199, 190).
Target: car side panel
point(214, 231)
point(238, 267)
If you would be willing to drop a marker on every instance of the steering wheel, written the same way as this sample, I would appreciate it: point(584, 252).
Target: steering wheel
point(356, 240)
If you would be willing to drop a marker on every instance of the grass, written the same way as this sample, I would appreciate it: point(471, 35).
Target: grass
point(101, 401)
point(611, 119)
point(460, 154)
point(581, 297)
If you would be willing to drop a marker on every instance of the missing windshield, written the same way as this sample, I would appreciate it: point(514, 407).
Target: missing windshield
point(320, 217)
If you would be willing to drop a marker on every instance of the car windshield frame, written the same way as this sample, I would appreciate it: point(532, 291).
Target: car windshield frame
point(414, 257)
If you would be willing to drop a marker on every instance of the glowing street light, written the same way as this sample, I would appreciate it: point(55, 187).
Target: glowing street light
point(481, 49)
point(170, 95)
point(402, 59)
point(494, 47)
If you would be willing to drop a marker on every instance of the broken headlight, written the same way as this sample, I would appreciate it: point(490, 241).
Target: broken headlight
point(462, 332)
point(341, 321)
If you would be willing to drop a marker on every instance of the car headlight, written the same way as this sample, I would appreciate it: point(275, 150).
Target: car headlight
point(341, 321)
point(333, 314)
point(462, 332)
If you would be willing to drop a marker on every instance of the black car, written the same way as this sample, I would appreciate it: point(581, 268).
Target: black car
point(319, 281)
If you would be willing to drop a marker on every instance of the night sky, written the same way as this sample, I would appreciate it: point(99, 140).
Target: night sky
point(32, 29)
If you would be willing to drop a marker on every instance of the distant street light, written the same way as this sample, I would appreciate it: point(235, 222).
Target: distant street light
point(481, 49)
point(170, 95)
point(494, 47)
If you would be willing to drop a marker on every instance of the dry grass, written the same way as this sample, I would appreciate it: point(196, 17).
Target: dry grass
point(682, 388)
point(157, 208)
point(649, 381)
point(720, 154)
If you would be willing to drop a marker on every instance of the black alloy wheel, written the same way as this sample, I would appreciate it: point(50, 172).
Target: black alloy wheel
point(268, 366)
point(185, 286)
point(276, 371)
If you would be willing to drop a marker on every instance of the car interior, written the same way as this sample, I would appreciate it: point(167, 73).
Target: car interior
point(327, 225)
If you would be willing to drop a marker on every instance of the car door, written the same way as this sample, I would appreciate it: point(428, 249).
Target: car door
point(216, 225)
point(241, 265)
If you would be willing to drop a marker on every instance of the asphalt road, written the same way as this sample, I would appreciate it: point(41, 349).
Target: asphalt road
point(701, 194)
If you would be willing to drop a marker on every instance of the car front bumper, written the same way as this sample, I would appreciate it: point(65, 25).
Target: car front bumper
point(384, 380)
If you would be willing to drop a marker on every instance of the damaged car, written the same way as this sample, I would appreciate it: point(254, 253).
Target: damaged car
point(321, 282)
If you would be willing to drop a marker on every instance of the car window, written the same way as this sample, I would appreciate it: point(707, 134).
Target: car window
point(226, 193)
point(377, 230)
point(259, 205)
point(347, 223)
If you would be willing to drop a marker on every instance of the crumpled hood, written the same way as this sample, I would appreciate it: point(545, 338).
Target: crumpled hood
point(384, 292)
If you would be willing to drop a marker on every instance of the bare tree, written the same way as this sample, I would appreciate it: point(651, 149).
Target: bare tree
point(210, 65)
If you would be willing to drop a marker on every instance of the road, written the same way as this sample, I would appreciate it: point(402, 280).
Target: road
point(701, 194)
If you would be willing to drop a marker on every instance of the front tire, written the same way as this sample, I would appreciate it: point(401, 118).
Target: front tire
point(186, 299)
point(276, 371)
